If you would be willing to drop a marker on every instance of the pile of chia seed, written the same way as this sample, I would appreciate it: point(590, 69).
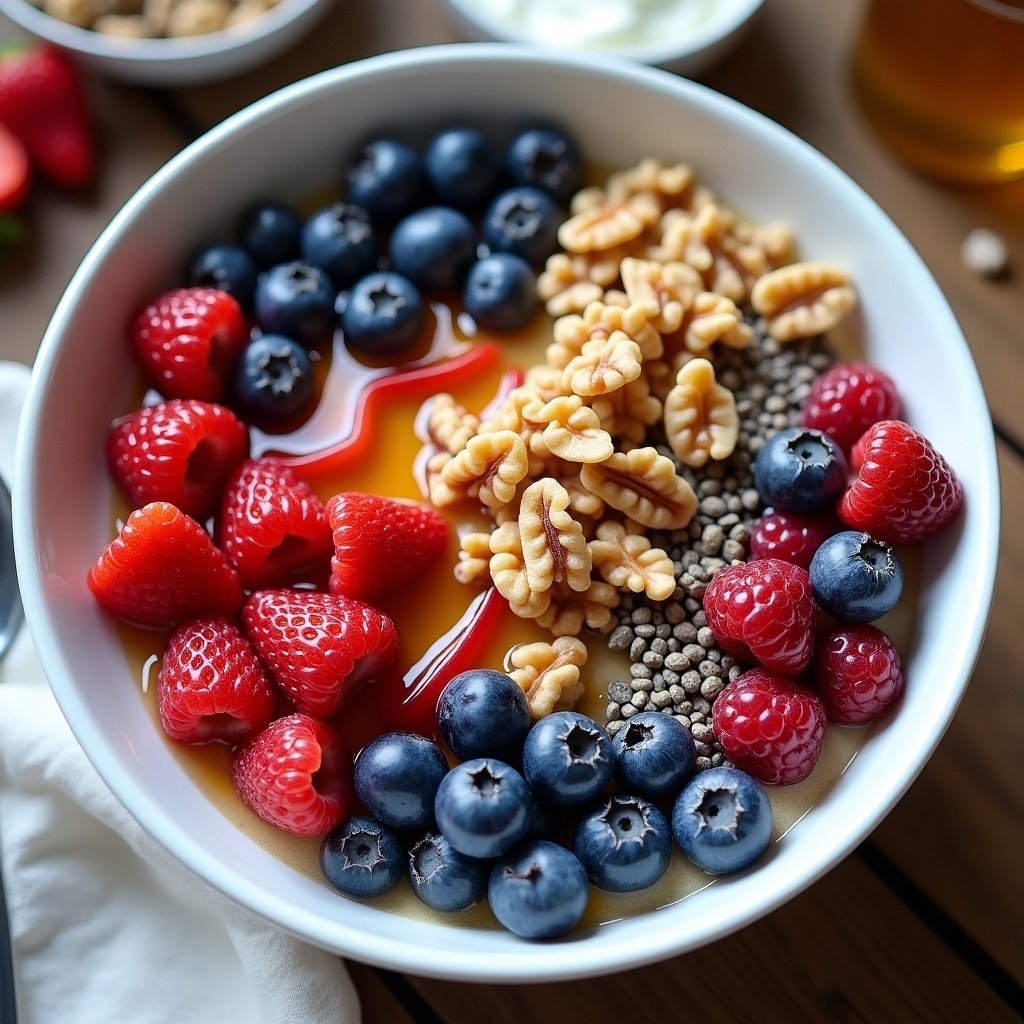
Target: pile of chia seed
point(675, 664)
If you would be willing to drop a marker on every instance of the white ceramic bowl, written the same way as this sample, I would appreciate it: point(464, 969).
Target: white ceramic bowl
point(296, 138)
point(193, 60)
point(691, 53)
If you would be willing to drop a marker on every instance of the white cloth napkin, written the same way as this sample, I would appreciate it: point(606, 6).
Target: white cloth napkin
point(107, 927)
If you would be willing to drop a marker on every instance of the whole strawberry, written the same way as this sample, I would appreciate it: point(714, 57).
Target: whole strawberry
point(380, 544)
point(320, 648)
point(763, 611)
point(857, 674)
point(847, 399)
point(187, 342)
point(770, 726)
point(211, 685)
point(180, 451)
point(42, 103)
point(163, 569)
point(905, 490)
point(272, 526)
point(296, 774)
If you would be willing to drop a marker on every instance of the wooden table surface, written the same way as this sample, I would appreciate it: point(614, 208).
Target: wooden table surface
point(925, 921)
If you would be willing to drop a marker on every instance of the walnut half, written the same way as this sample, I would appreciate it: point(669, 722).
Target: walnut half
point(554, 548)
point(549, 673)
point(700, 416)
point(803, 299)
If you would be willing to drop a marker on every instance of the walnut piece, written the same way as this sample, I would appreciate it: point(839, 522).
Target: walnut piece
point(627, 413)
point(710, 318)
point(488, 468)
point(700, 416)
point(565, 285)
point(553, 545)
point(568, 612)
point(599, 322)
point(449, 426)
point(574, 432)
point(663, 291)
point(606, 225)
point(627, 561)
point(549, 673)
point(645, 486)
point(474, 556)
point(803, 299)
point(508, 571)
point(603, 366)
point(671, 185)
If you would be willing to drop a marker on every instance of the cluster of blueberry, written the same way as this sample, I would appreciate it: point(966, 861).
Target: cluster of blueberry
point(463, 219)
point(531, 814)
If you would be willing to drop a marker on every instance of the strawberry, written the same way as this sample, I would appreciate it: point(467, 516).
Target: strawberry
point(296, 774)
point(187, 341)
point(162, 569)
point(180, 451)
point(379, 543)
point(212, 686)
point(42, 102)
point(905, 490)
point(272, 526)
point(320, 648)
point(15, 177)
point(847, 399)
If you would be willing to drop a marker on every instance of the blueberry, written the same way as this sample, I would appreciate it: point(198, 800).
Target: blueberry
point(722, 820)
point(624, 844)
point(523, 221)
point(434, 248)
point(654, 755)
point(443, 878)
point(361, 858)
point(483, 807)
point(228, 268)
point(800, 470)
point(386, 179)
point(396, 778)
point(296, 300)
point(855, 577)
point(270, 232)
point(462, 166)
point(568, 759)
point(545, 822)
point(546, 158)
point(340, 240)
point(501, 292)
point(483, 713)
point(273, 378)
point(539, 891)
point(383, 314)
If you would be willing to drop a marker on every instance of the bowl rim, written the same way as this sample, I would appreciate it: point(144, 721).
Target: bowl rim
point(559, 961)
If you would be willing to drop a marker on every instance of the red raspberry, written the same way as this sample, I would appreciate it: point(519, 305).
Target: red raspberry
point(904, 491)
point(163, 569)
point(296, 774)
point(763, 611)
point(770, 726)
point(321, 648)
point(272, 526)
point(187, 341)
point(179, 451)
point(790, 537)
point(847, 399)
point(212, 686)
point(857, 673)
point(380, 544)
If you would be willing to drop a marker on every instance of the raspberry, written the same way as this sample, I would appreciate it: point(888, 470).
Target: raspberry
point(905, 490)
point(179, 451)
point(187, 341)
point(212, 686)
point(770, 726)
point(847, 399)
point(763, 611)
point(296, 774)
point(790, 537)
point(857, 673)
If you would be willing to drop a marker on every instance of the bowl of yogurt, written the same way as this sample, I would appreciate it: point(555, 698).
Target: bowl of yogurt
point(684, 36)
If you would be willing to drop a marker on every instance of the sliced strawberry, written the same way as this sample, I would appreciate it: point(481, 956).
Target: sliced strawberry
point(212, 686)
point(187, 341)
point(379, 544)
point(272, 526)
point(162, 569)
point(15, 176)
point(321, 649)
point(180, 451)
point(296, 774)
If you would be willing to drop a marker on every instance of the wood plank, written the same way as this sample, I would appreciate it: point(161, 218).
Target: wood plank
point(847, 950)
point(379, 1004)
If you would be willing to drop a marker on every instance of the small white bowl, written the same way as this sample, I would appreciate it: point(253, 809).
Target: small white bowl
point(191, 60)
point(296, 139)
point(691, 54)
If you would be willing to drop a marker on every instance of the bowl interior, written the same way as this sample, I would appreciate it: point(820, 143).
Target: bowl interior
point(298, 139)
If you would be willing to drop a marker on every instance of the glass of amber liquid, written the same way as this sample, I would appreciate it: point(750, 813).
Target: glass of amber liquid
point(942, 82)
